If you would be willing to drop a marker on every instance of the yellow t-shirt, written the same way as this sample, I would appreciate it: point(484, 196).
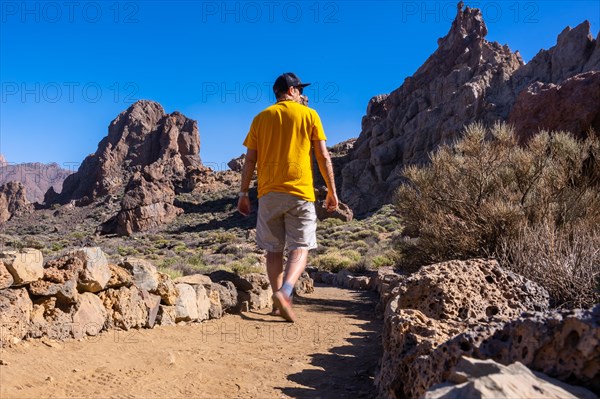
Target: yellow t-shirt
point(282, 136)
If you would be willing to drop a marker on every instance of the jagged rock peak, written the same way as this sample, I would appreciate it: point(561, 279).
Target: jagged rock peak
point(468, 24)
point(464, 80)
point(138, 120)
point(2, 161)
point(143, 138)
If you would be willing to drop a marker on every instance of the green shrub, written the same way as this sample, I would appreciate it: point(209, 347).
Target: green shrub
point(486, 192)
point(336, 260)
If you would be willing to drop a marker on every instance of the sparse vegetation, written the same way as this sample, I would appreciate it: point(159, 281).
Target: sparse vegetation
point(535, 207)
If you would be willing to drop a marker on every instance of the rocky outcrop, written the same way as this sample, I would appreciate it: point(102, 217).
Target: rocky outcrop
point(13, 201)
point(142, 138)
point(438, 303)
point(573, 106)
point(467, 79)
point(37, 178)
point(203, 179)
point(486, 379)
point(146, 205)
point(237, 164)
point(575, 52)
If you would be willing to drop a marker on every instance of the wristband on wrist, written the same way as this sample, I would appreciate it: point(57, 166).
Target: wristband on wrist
point(243, 194)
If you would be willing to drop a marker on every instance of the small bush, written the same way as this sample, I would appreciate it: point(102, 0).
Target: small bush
point(486, 193)
point(335, 261)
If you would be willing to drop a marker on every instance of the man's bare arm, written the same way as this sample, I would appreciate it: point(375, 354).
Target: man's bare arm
point(247, 172)
point(326, 169)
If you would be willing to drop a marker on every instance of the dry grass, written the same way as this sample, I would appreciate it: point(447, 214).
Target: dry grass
point(566, 263)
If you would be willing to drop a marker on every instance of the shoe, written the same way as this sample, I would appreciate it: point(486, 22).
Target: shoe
point(284, 304)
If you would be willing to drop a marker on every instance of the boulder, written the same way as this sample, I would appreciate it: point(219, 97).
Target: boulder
point(15, 314)
point(119, 277)
point(152, 305)
point(50, 319)
point(166, 289)
point(360, 283)
point(194, 279)
point(187, 303)
point(6, 279)
point(125, 308)
point(166, 315)
point(239, 282)
point(25, 266)
point(64, 293)
point(60, 280)
point(147, 205)
point(433, 307)
point(95, 273)
point(215, 311)
point(324, 276)
point(343, 211)
point(237, 164)
point(228, 295)
point(343, 278)
point(259, 296)
point(304, 285)
point(90, 316)
point(475, 289)
point(203, 302)
point(486, 379)
point(145, 275)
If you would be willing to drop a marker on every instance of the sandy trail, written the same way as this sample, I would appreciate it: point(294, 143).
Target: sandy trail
point(331, 352)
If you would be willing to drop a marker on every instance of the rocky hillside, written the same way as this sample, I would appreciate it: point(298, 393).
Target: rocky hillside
point(36, 177)
point(470, 79)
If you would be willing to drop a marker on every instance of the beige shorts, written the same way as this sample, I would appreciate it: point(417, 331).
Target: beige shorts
point(285, 219)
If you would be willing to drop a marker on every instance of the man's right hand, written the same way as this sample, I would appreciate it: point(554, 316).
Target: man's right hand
point(244, 205)
point(331, 202)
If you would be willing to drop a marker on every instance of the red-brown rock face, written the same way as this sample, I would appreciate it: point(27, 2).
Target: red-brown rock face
point(467, 79)
point(143, 137)
point(13, 201)
point(573, 105)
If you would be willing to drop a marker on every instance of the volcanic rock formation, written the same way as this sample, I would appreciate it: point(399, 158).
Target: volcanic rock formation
point(466, 79)
point(13, 200)
point(142, 138)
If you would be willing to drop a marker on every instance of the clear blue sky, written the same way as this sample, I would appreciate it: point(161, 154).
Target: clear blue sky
point(68, 68)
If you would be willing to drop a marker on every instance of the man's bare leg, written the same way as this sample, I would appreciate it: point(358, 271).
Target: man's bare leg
point(275, 269)
point(296, 264)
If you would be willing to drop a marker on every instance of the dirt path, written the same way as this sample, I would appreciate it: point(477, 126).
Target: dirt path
point(331, 352)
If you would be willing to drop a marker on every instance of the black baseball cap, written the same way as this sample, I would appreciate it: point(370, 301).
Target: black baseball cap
point(285, 81)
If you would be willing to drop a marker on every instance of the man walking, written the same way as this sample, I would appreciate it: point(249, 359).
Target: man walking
point(279, 147)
